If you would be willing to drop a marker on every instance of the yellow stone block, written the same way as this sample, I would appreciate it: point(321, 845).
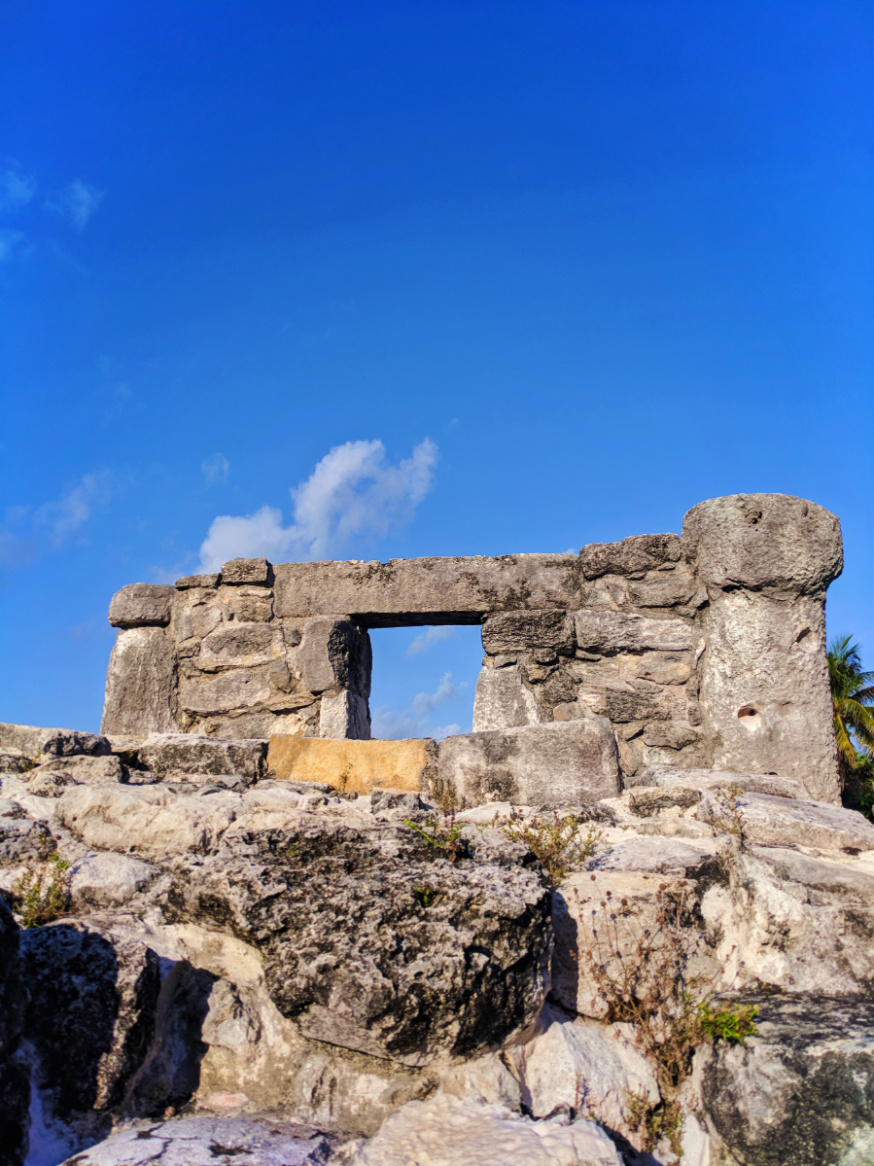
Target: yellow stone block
point(351, 766)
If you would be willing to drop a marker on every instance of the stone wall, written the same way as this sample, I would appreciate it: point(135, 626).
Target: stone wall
point(701, 649)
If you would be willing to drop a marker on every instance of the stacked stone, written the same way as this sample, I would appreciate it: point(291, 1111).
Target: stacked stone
point(705, 649)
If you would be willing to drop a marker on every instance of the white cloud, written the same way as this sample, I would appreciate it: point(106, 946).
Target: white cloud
point(352, 493)
point(77, 202)
point(16, 189)
point(415, 720)
point(215, 469)
point(26, 533)
point(429, 637)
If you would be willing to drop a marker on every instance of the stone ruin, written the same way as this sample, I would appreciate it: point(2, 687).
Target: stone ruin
point(284, 943)
point(699, 650)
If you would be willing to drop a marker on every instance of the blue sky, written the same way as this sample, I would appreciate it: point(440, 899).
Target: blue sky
point(574, 266)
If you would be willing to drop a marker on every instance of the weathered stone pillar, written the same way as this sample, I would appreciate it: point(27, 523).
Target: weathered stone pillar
point(141, 681)
point(766, 561)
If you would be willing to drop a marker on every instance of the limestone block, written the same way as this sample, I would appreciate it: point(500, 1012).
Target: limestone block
point(448, 1131)
point(664, 588)
point(107, 880)
point(169, 754)
point(352, 766)
point(640, 552)
point(32, 741)
point(154, 821)
point(247, 571)
point(327, 897)
point(793, 922)
point(85, 770)
point(604, 916)
point(255, 1142)
point(781, 821)
point(570, 762)
point(187, 582)
point(523, 631)
point(764, 689)
point(670, 735)
point(662, 667)
point(15, 761)
point(141, 605)
point(241, 645)
point(580, 1066)
point(343, 715)
point(502, 701)
point(224, 692)
point(772, 543)
point(141, 686)
point(800, 1092)
point(714, 779)
point(428, 591)
point(333, 653)
point(616, 631)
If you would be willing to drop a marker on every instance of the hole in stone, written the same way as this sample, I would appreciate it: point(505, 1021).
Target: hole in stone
point(423, 680)
point(747, 711)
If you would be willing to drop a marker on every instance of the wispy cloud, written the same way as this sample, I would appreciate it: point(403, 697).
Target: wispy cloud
point(427, 639)
point(27, 532)
point(9, 241)
point(353, 493)
point(415, 721)
point(215, 469)
point(17, 189)
point(77, 202)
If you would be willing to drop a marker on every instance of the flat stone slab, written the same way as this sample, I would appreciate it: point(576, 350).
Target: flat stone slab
point(219, 1141)
point(166, 754)
point(711, 779)
point(566, 763)
point(406, 592)
point(351, 766)
point(775, 821)
point(141, 605)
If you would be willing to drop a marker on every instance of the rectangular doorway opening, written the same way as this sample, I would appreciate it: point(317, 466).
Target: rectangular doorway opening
point(423, 680)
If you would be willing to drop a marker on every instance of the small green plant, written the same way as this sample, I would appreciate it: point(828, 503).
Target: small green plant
point(645, 976)
point(42, 893)
point(559, 843)
point(731, 1023)
point(446, 798)
point(425, 894)
point(292, 850)
point(445, 835)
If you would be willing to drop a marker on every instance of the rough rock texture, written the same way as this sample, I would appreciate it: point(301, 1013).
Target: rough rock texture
point(802, 1092)
point(567, 763)
point(141, 686)
point(769, 820)
point(475, 957)
point(141, 605)
point(502, 700)
point(90, 1013)
point(155, 821)
point(448, 1131)
point(766, 561)
point(14, 1082)
point(186, 753)
point(581, 1067)
point(219, 1141)
point(106, 880)
point(35, 742)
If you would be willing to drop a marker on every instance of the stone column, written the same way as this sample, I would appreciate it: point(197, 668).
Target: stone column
point(141, 681)
point(766, 561)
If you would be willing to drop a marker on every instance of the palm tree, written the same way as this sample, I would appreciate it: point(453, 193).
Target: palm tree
point(852, 706)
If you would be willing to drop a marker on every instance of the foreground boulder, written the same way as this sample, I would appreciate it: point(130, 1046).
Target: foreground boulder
point(372, 938)
point(14, 1082)
point(801, 1092)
